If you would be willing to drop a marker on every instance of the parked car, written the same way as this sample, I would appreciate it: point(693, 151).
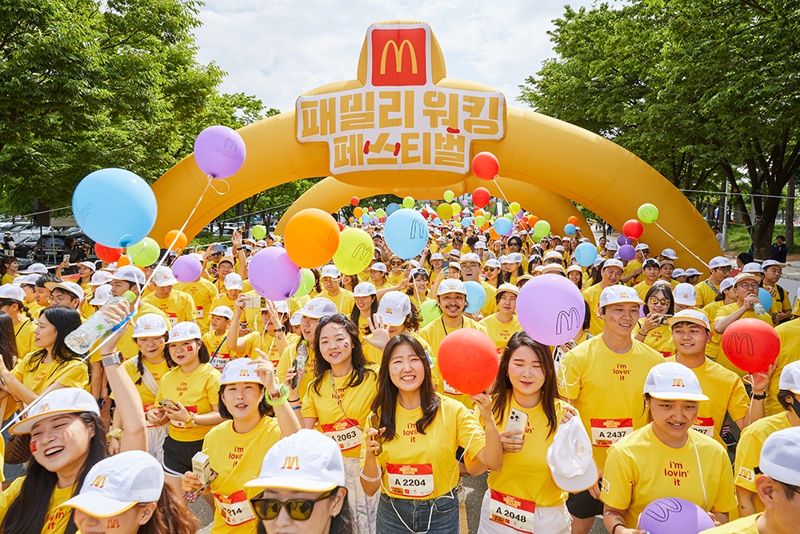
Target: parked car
point(49, 249)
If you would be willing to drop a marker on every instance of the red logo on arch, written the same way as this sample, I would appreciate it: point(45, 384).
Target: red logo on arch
point(399, 56)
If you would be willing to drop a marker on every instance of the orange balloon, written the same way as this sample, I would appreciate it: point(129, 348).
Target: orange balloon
point(358, 212)
point(123, 261)
point(573, 220)
point(180, 242)
point(493, 234)
point(532, 219)
point(311, 237)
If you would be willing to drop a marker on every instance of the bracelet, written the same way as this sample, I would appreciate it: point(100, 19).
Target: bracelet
point(280, 400)
point(759, 396)
point(372, 479)
point(613, 530)
point(114, 433)
point(297, 407)
point(190, 423)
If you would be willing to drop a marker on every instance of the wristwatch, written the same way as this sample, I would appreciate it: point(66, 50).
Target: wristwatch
point(112, 359)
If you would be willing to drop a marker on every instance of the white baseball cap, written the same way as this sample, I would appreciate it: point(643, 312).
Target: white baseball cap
point(790, 378)
point(12, 292)
point(451, 285)
point(129, 273)
point(223, 311)
point(381, 267)
point(102, 295)
point(150, 325)
point(553, 255)
point(559, 248)
point(575, 269)
point(364, 289)
point(434, 256)
point(330, 271)
point(691, 271)
point(480, 244)
point(281, 306)
point(316, 461)
point(100, 278)
point(619, 294)
point(118, 483)
point(470, 256)
point(296, 318)
point(57, 402)
point(779, 456)
point(505, 259)
point(511, 288)
point(89, 265)
point(673, 381)
point(184, 331)
point(394, 307)
point(318, 307)
point(233, 281)
point(677, 273)
point(613, 262)
point(752, 267)
point(493, 263)
point(70, 287)
point(553, 268)
point(669, 253)
point(35, 268)
point(641, 246)
point(454, 265)
point(691, 315)
point(612, 245)
point(651, 262)
point(719, 261)
point(569, 457)
point(239, 370)
point(515, 257)
point(685, 295)
point(771, 263)
point(727, 283)
point(455, 253)
point(163, 277)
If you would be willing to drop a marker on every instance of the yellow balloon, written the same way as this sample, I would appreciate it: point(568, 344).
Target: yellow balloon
point(449, 196)
point(456, 207)
point(358, 212)
point(445, 211)
point(355, 251)
point(514, 208)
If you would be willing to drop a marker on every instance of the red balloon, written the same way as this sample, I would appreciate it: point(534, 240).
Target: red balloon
point(107, 254)
point(468, 361)
point(481, 197)
point(341, 226)
point(751, 345)
point(633, 229)
point(485, 165)
point(573, 220)
point(354, 201)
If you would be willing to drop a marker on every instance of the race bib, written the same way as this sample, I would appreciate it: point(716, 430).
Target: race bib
point(219, 361)
point(173, 318)
point(235, 508)
point(181, 424)
point(410, 480)
point(199, 312)
point(704, 425)
point(606, 432)
point(345, 432)
point(511, 511)
point(450, 389)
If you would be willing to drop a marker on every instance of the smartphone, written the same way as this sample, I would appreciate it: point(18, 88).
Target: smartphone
point(375, 422)
point(167, 403)
point(66, 259)
point(517, 421)
point(295, 379)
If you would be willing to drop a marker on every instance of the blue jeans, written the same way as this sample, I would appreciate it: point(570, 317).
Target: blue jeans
point(434, 516)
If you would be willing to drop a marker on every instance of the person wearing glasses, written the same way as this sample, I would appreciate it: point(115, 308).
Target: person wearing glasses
point(709, 289)
point(396, 272)
point(302, 483)
point(652, 329)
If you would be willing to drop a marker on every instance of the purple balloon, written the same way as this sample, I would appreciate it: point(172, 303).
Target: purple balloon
point(187, 268)
point(627, 252)
point(622, 240)
point(219, 151)
point(550, 309)
point(465, 202)
point(273, 274)
point(669, 515)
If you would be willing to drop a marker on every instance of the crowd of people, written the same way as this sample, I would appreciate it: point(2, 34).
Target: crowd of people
point(328, 411)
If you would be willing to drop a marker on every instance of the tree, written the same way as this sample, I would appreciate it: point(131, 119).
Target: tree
point(706, 92)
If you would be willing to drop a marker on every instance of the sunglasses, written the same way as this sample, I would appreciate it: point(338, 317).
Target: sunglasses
point(298, 509)
point(663, 302)
point(396, 263)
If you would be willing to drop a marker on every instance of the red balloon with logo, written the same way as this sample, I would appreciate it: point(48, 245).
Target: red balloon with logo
point(481, 197)
point(468, 361)
point(633, 229)
point(751, 345)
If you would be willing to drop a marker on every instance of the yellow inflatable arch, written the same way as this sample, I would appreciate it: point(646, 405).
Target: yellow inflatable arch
point(403, 123)
point(331, 194)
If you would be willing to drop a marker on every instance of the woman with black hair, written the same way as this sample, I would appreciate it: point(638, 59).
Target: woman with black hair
point(256, 415)
point(412, 443)
point(9, 267)
point(653, 330)
point(12, 302)
point(338, 402)
point(66, 439)
point(366, 305)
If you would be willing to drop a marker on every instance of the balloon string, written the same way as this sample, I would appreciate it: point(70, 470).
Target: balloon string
point(681, 244)
point(217, 191)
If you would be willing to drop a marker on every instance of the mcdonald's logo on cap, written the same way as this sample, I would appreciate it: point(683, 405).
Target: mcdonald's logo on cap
point(99, 481)
point(399, 56)
point(291, 463)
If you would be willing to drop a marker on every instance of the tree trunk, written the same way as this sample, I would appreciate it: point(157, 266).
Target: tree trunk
point(763, 228)
point(790, 212)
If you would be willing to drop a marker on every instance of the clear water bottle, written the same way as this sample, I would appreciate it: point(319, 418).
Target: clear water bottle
point(81, 339)
point(758, 309)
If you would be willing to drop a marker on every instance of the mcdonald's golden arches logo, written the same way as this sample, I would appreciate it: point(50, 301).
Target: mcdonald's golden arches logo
point(678, 383)
point(99, 481)
point(399, 56)
point(291, 463)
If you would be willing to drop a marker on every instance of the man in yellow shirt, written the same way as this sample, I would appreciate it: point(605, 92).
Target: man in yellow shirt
point(778, 486)
point(611, 272)
point(178, 305)
point(781, 309)
point(708, 289)
point(604, 378)
point(651, 270)
point(331, 290)
point(471, 270)
point(635, 267)
point(203, 293)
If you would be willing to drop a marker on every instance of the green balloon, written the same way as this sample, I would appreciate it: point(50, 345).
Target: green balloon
point(449, 196)
point(647, 213)
point(259, 231)
point(380, 212)
point(408, 202)
point(430, 311)
point(306, 283)
point(480, 220)
point(145, 252)
point(541, 228)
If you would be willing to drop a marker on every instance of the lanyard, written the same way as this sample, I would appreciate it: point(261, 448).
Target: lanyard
point(445, 328)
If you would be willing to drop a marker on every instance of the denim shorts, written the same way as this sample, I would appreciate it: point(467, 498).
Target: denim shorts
point(434, 516)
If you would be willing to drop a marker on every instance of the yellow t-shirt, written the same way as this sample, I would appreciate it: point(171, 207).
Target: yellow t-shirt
point(24, 333)
point(237, 458)
point(714, 349)
point(424, 466)
point(641, 469)
point(779, 304)
point(57, 516)
point(726, 394)
point(127, 345)
point(344, 301)
point(642, 288)
point(343, 423)
point(658, 339)
point(288, 358)
point(590, 372)
point(789, 334)
point(34, 308)
point(250, 315)
point(525, 474)
point(501, 332)
point(178, 306)
point(705, 294)
point(158, 370)
point(744, 525)
point(197, 391)
point(36, 376)
point(395, 278)
point(264, 342)
point(375, 356)
point(748, 451)
point(203, 293)
point(219, 344)
point(592, 297)
point(630, 268)
point(712, 308)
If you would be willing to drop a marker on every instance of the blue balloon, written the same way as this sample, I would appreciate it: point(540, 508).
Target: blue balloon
point(466, 221)
point(391, 208)
point(114, 207)
point(437, 221)
point(502, 226)
point(569, 229)
point(365, 218)
point(476, 296)
point(406, 233)
point(585, 254)
point(765, 298)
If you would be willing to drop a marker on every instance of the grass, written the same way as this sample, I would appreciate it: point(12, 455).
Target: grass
point(739, 240)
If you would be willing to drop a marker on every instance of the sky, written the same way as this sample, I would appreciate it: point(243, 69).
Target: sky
point(278, 49)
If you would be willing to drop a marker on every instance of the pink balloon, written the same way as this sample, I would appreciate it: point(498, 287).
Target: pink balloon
point(551, 309)
point(273, 274)
point(219, 151)
point(187, 268)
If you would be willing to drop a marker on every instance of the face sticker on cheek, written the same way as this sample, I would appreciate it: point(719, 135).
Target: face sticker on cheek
point(189, 348)
point(33, 446)
point(112, 523)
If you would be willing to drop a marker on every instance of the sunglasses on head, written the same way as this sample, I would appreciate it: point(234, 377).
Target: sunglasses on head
point(298, 509)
